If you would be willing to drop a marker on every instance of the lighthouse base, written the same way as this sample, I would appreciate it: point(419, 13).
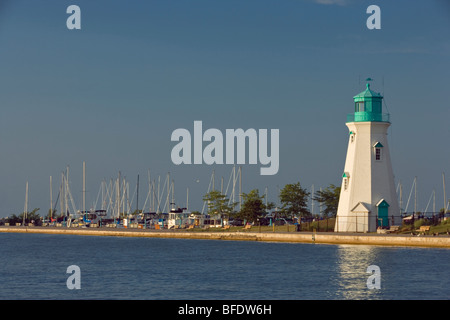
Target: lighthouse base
point(361, 219)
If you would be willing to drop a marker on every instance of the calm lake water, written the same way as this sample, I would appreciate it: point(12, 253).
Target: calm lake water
point(34, 266)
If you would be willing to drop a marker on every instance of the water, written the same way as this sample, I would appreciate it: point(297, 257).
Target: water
point(33, 266)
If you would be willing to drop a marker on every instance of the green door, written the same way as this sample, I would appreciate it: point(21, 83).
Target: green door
point(383, 214)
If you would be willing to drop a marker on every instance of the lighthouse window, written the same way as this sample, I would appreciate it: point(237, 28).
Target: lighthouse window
point(359, 107)
point(377, 154)
point(345, 183)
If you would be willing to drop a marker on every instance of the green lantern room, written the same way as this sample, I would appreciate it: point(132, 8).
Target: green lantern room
point(368, 107)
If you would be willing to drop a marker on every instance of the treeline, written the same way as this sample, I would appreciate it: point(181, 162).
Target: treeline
point(293, 199)
point(27, 217)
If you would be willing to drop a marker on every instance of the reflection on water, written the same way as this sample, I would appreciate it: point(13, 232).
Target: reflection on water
point(351, 276)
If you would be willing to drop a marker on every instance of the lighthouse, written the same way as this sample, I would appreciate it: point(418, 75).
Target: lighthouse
point(368, 199)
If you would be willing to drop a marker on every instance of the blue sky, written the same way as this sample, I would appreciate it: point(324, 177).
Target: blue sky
point(111, 93)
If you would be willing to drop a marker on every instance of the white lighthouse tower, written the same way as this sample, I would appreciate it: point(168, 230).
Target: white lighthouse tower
point(368, 199)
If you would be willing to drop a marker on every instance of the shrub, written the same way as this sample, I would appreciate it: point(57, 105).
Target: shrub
point(418, 223)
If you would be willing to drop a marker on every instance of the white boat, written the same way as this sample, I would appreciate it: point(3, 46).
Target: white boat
point(178, 218)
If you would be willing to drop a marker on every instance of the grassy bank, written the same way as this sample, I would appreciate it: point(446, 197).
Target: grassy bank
point(284, 228)
point(327, 225)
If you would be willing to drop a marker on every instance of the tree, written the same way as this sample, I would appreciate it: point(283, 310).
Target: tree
point(329, 197)
point(32, 216)
point(13, 219)
point(294, 200)
point(29, 216)
point(218, 203)
point(253, 206)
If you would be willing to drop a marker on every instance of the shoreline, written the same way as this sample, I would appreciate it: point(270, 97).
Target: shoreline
point(293, 237)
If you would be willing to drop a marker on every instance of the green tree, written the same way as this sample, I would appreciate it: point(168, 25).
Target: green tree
point(29, 216)
point(218, 204)
point(253, 206)
point(294, 201)
point(32, 216)
point(13, 219)
point(329, 197)
point(135, 213)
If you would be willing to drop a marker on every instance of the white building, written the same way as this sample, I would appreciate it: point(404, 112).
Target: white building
point(368, 199)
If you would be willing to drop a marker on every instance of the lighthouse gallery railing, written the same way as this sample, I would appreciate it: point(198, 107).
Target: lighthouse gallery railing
point(368, 116)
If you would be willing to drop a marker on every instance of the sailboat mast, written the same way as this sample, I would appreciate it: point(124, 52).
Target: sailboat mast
point(266, 193)
point(118, 195)
point(61, 197)
point(158, 200)
point(415, 194)
point(66, 191)
point(103, 195)
point(51, 198)
point(152, 202)
point(445, 195)
point(401, 197)
point(173, 194)
point(240, 188)
point(234, 183)
point(434, 201)
point(151, 187)
point(320, 203)
point(137, 196)
point(84, 187)
point(168, 191)
point(25, 209)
